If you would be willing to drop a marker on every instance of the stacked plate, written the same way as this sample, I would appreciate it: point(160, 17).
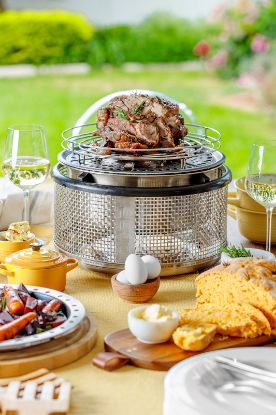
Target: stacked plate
point(190, 390)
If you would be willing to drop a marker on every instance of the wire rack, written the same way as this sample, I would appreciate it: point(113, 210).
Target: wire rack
point(88, 148)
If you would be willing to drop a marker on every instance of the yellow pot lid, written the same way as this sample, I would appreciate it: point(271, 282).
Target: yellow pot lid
point(36, 257)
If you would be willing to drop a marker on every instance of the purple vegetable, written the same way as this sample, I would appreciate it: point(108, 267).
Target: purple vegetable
point(5, 317)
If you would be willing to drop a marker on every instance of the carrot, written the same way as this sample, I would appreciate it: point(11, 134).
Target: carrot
point(14, 303)
point(52, 306)
point(10, 330)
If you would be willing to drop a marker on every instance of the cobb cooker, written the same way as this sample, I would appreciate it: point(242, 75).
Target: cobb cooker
point(170, 203)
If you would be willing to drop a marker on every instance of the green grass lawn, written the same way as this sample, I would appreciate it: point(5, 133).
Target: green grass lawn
point(57, 102)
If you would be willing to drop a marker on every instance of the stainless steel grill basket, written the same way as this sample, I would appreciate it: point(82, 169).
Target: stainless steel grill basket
point(170, 204)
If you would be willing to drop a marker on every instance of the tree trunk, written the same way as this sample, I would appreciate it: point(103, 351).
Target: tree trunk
point(2, 5)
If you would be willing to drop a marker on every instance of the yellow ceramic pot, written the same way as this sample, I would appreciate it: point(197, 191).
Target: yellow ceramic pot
point(7, 247)
point(252, 225)
point(38, 266)
point(243, 200)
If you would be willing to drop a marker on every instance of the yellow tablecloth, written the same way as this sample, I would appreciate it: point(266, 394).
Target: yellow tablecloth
point(129, 390)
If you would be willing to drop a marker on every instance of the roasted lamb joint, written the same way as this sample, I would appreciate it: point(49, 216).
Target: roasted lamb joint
point(132, 120)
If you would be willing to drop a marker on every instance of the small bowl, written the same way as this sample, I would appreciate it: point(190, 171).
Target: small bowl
point(8, 247)
point(256, 253)
point(151, 332)
point(140, 293)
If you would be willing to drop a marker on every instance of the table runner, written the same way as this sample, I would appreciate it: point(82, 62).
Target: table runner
point(129, 390)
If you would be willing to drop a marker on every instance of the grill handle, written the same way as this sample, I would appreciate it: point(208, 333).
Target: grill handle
point(101, 102)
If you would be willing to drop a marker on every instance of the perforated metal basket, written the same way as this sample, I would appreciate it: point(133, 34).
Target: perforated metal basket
point(170, 204)
point(184, 228)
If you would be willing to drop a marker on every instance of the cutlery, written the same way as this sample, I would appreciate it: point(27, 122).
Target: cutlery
point(246, 369)
point(214, 376)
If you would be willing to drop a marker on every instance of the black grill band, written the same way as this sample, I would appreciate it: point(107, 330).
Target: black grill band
point(222, 181)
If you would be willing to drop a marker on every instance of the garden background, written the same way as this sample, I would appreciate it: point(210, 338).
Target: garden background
point(222, 66)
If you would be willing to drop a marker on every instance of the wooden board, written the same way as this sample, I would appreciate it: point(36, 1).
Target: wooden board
point(165, 355)
point(53, 354)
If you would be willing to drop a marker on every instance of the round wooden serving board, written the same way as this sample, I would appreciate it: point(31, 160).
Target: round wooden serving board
point(165, 355)
point(53, 354)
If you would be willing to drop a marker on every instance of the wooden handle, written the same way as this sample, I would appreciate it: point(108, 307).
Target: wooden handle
point(109, 361)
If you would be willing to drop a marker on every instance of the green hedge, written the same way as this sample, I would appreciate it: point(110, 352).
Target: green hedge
point(160, 38)
point(43, 37)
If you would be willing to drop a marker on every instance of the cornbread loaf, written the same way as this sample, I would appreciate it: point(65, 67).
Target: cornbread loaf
point(194, 337)
point(232, 319)
point(248, 280)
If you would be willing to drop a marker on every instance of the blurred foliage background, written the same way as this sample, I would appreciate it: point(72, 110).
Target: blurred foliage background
point(232, 88)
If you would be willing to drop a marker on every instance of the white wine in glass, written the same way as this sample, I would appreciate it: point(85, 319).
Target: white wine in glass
point(26, 159)
point(261, 180)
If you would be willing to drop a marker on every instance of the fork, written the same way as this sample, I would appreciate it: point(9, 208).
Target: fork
point(247, 370)
point(212, 375)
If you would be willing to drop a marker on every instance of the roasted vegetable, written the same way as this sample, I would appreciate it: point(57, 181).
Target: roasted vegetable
point(10, 330)
point(41, 315)
point(5, 317)
point(58, 321)
point(30, 305)
point(52, 307)
point(14, 303)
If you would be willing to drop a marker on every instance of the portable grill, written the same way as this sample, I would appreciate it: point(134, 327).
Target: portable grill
point(170, 203)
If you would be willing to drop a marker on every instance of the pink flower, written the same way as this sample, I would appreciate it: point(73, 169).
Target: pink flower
point(246, 80)
point(259, 44)
point(219, 59)
point(201, 49)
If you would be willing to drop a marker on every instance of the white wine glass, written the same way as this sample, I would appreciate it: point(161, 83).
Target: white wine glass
point(261, 180)
point(26, 159)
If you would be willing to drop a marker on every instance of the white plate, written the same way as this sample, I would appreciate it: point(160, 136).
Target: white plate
point(72, 307)
point(185, 394)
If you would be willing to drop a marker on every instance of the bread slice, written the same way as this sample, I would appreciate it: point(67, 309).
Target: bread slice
point(242, 281)
point(194, 337)
point(237, 320)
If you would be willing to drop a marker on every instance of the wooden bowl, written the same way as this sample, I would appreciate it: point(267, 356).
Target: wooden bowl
point(140, 293)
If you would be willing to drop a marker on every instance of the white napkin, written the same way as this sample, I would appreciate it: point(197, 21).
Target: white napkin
point(12, 205)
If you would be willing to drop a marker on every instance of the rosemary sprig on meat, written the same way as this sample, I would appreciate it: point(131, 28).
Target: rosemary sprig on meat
point(121, 114)
point(235, 251)
point(138, 108)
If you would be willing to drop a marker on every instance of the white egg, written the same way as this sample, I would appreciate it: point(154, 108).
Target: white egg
point(153, 266)
point(121, 277)
point(135, 270)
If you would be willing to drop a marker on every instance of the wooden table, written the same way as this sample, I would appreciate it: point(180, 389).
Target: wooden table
point(129, 390)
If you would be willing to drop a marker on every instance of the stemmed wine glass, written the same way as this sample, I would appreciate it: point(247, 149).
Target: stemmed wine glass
point(261, 180)
point(26, 159)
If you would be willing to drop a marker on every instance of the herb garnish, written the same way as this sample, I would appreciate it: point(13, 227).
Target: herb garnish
point(137, 109)
point(235, 251)
point(121, 114)
point(3, 303)
point(39, 330)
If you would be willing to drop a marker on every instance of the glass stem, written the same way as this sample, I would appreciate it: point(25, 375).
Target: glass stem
point(269, 211)
point(27, 205)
